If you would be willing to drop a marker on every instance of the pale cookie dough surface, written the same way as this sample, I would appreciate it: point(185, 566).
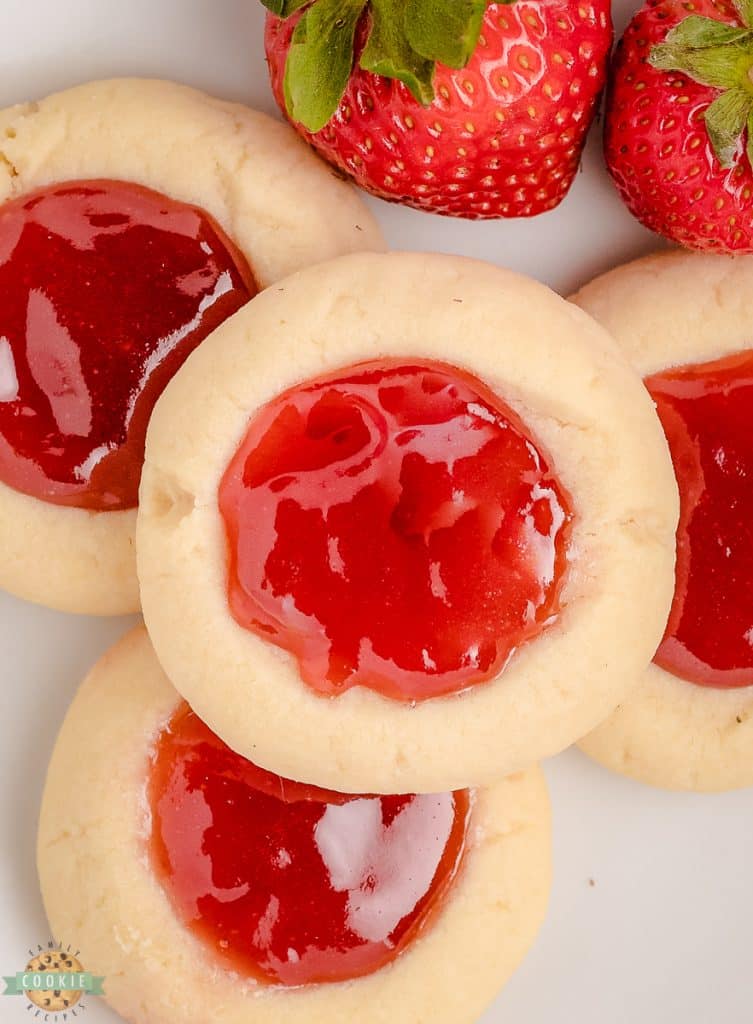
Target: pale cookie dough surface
point(676, 309)
point(583, 404)
point(100, 891)
point(273, 197)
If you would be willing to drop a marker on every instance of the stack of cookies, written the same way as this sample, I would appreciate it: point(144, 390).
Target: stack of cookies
point(399, 526)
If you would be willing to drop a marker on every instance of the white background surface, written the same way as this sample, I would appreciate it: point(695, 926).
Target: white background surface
point(651, 919)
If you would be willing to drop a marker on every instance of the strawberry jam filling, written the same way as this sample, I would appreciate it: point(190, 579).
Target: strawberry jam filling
point(394, 527)
point(106, 288)
point(290, 884)
point(707, 414)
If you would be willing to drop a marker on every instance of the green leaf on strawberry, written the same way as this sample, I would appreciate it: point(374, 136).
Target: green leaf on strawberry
point(726, 120)
point(388, 52)
point(320, 60)
point(448, 35)
point(404, 40)
point(744, 9)
point(698, 33)
point(719, 55)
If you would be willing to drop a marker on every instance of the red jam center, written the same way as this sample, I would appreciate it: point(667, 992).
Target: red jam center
point(287, 883)
point(707, 414)
point(106, 288)
point(394, 527)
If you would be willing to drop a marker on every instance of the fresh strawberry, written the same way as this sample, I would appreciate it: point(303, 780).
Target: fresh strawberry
point(679, 114)
point(461, 107)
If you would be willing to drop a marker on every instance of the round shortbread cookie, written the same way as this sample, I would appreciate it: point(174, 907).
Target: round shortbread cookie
point(100, 890)
point(279, 204)
point(667, 310)
point(582, 402)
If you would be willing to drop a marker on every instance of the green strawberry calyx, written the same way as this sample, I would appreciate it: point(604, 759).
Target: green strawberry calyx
point(405, 40)
point(719, 55)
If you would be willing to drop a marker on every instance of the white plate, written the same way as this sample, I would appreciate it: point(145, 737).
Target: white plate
point(651, 919)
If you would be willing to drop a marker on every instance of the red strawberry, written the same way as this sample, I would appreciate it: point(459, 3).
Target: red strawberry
point(678, 114)
point(498, 133)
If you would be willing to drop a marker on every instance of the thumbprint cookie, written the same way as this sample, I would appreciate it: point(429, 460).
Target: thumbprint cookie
point(685, 322)
point(420, 538)
point(203, 887)
point(135, 217)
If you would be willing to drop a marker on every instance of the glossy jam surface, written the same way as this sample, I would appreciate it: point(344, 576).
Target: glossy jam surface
point(106, 289)
point(394, 527)
point(286, 883)
point(707, 414)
